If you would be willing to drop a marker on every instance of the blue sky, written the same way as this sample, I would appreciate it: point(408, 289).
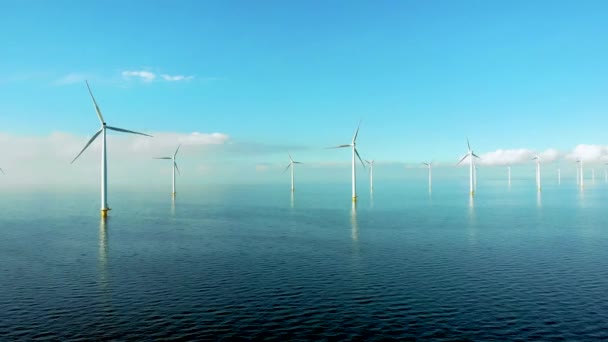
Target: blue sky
point(278, 75)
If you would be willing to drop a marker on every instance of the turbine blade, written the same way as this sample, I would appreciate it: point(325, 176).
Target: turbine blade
point(95, 103)
point(126, 131)
point(287, 168)
point(476, 156)
point(469, 145)
point(290, 157)
point(427, 164)
point(295, 162)
point(341, 146)
point(2, 171)
point(87, 145)
point(358, 156)
point(177, 168)
point(174, 154)
point(463, 158)
point(164, 158)
point(357, 132)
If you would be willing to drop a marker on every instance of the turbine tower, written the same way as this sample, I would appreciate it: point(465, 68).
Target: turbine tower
point(104, 159)
point(509, 174)
point(537, 158)
point(173, 168)
point(582, 174)
point(353, 145)
point(293, 167)
point(471, 155)
point(371, 174)
point(429, 165)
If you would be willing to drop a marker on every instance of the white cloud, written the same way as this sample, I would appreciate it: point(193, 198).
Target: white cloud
point(175, 78)
point(589, 153)
point(145, 76)
point(72, 78)
point(45, 160)
point(516, 156)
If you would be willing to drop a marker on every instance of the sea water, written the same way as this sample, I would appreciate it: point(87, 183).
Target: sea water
point(255, 261)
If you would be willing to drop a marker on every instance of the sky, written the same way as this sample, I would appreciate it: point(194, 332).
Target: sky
point(241, 83)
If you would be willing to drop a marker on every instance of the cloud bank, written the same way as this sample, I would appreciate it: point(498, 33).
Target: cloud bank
point(145, 76)
point(149, 77)
point(516, 156)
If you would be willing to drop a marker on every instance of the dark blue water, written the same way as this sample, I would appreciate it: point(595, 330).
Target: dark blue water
point(251, 262)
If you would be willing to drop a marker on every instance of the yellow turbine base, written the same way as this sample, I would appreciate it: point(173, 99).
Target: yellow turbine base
point(104, 212)
point(355, 199)
point(472, 193)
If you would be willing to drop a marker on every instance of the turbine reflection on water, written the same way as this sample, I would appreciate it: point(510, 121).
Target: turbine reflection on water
point(354, 226)
point(472, 224)
point(102, 262)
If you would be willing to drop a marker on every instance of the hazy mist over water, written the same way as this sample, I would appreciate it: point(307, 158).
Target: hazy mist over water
point(252, 261)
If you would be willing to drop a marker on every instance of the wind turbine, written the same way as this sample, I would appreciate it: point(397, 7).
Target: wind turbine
point(371, 174)
point(509, 174)
point(537, 158)
point(429, 165)
point(471, 155)
point(293, 167)
point(353, 145)
point(173, 168)
point(559, 176)
point(582, 174)
point(104, 159)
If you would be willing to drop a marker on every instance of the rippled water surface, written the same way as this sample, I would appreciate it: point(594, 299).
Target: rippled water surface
point(243, 262)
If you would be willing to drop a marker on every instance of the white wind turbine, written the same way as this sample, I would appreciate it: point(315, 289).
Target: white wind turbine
point(371, 174)
point(509, 174)
point(471, 155)
point(293, 167)
point(537, 158)
point(173, 168)
point(429, 166)
point(582, 174)
point(353, 145)
point(104, 160)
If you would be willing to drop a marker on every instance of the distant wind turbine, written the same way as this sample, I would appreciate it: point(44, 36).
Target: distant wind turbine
point(509, 174)
point(104, 160)
point(559, 176)
point(371, 174)
point(293, 167)
point(471, 155)
point(537, 158)
point(429, 165)
point(353, 145)
point(173, 168)
point(582, 174)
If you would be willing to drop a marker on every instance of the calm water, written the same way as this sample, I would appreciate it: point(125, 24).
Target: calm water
point(252, 262)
